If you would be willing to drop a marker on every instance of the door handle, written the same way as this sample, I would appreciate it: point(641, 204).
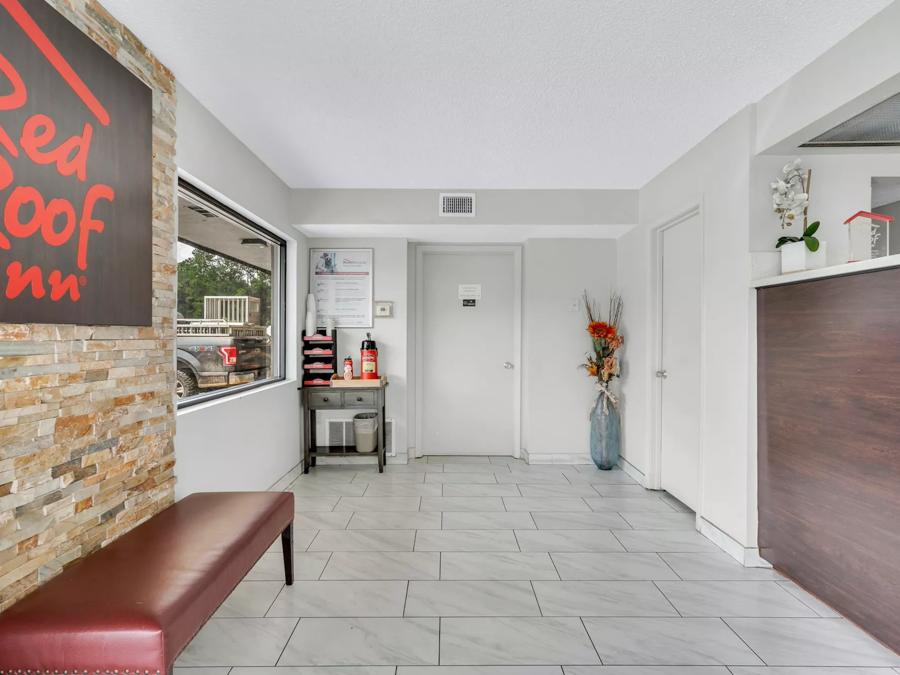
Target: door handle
point(508, 365)
point(662, 374)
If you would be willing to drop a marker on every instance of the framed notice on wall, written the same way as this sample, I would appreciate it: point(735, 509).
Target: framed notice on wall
point(76, 178)
point(341, 280)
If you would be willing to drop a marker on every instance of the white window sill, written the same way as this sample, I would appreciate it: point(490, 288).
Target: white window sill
point(290, 383)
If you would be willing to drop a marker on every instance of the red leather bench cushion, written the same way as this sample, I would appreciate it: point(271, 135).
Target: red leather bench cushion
point(137, 603)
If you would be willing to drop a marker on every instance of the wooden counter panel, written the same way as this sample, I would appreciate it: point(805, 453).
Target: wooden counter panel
point(829, 442)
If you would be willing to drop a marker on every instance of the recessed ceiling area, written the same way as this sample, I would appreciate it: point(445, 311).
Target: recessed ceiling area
point(516, 94)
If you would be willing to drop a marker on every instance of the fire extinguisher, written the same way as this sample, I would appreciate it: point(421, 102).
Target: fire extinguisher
point(368, 358)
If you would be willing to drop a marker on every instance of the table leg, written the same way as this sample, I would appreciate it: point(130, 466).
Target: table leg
point(382, 436)
point(313, 444)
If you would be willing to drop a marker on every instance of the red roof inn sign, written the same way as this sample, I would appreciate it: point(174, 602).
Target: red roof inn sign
point(75, 176)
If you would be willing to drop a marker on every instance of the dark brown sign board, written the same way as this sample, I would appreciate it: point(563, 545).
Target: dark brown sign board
point(76, 182)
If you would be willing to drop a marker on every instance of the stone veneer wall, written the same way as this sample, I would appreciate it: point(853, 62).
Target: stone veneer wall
point(87, 417)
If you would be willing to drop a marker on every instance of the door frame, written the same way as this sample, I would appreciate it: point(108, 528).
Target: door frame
point(654, 472)
point(516, 253)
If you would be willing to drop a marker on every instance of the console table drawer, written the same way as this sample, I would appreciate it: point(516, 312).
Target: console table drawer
point(324, 399)
point(359, 399)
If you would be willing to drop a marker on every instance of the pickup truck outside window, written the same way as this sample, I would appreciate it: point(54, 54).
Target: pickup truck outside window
point(230, 328)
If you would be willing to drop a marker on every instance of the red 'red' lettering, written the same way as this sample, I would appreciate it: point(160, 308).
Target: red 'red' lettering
point(18, 281)
point(14, 99)
point(59, 286)
point(23, 194)
point(51, 53)
point(39, 130)
point(6, 172)
point(88, 222)
point(19, 94)
point(58, 207)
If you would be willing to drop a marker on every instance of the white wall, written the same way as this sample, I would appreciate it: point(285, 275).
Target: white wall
point(714, 175)
point(245, 442)
point(556, 395)
point(633, 278)
point(390, 260)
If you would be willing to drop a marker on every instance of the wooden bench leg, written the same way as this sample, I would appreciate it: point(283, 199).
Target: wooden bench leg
point(287, 549)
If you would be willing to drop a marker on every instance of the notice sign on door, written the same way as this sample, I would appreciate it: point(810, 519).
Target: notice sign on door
point(470, 291)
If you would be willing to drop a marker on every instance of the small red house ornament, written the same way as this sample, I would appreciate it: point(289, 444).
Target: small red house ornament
point(868, 235)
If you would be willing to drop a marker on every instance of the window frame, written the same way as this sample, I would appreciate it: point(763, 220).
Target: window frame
point(279, 294)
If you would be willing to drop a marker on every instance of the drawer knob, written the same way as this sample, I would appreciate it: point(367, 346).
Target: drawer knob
point(325, 398)
point(359, 398)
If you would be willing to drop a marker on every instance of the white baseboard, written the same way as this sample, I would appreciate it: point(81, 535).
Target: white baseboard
point(287, 478)
point(632, 471)
point(556, 457)
point(748, 557)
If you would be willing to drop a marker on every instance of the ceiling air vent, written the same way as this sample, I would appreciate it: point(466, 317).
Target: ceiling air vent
point(457, 204)
point(877, 126)
point(199, 209)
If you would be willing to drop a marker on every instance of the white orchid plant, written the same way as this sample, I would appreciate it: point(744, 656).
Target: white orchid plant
point(790, 193)
point(790, 199)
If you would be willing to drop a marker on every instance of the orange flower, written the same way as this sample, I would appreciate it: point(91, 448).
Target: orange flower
point(615, 342)
point(600, 330)
point(592, 369)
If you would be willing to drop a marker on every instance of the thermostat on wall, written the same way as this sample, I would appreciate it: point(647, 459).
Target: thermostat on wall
point(384, 309)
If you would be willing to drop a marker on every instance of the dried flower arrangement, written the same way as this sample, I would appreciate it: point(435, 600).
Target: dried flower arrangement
point(606, 339)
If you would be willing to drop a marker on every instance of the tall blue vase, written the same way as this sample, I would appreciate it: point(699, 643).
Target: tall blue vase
point(605, 435)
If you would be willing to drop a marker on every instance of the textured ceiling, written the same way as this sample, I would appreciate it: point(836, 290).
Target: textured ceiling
point(482, 93)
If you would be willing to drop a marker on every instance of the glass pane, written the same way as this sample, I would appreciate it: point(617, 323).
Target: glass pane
point(225, 302)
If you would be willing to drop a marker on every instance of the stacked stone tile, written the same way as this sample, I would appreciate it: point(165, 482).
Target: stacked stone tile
point(87, 417)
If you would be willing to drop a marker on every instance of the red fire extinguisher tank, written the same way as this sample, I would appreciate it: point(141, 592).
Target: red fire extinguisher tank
point(368, 358)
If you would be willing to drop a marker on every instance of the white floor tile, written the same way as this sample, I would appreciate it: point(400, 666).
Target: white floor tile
point(506, 566)
point(491, 520)
point(567, 540)
point(381, 565)
point(612, 566)
point(340, 599)
point(812, 642)
point(471, 598)
point(394, 520)
point(503, 641)
point(355, 641)
point(466, 540)
point(364, 540)
point(250, 599)
point(676, 642)
point(238, 642)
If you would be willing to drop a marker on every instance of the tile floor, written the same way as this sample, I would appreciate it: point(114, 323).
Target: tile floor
point(488, 566)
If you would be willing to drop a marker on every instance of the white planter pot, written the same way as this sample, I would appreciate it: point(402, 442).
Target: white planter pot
point(795, 257)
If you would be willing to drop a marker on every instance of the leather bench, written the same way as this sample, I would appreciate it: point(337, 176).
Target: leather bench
point(134, 605)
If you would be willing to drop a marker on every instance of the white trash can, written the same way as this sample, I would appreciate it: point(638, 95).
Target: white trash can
point(365, 430)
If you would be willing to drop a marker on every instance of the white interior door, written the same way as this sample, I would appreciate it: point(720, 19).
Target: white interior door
point(679, 370)
point(468, 360)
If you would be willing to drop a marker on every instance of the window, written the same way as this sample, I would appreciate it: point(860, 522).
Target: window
point(230, 328)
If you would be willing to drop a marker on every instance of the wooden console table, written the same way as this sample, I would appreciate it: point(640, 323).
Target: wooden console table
point(335, 398)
